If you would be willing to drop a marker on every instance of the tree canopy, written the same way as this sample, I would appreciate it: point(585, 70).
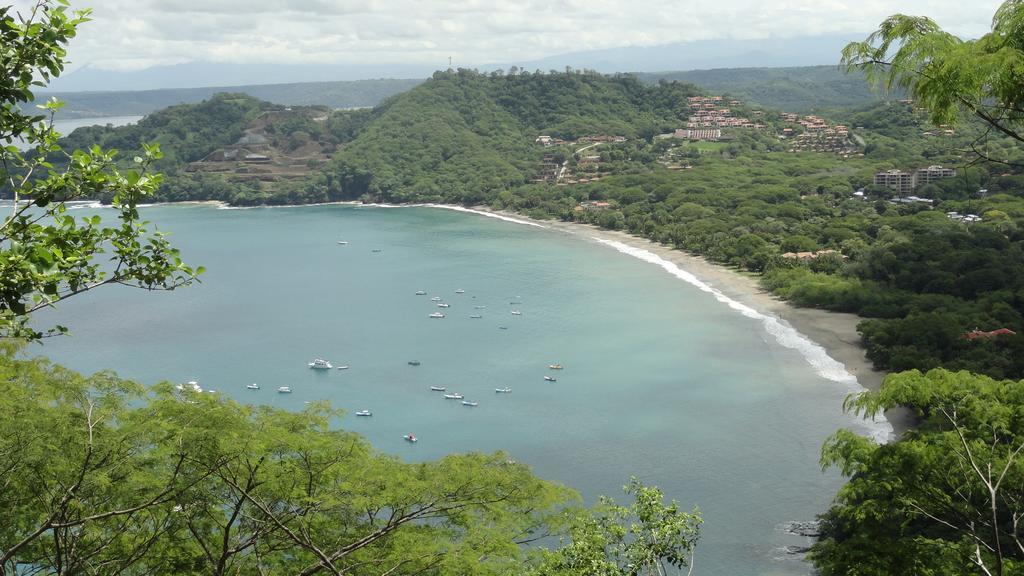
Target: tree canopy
point(948, 498)
point(46, 253)
point(947, 75)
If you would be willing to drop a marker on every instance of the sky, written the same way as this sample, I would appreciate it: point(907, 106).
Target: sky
point(128, 35)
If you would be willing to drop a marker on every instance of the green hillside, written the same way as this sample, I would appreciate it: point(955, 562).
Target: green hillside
point(464, 135)
point(801, 89)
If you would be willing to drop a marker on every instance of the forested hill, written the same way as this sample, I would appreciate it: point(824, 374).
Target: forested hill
point(798, 89)
point(186, 133)
point(465, 135)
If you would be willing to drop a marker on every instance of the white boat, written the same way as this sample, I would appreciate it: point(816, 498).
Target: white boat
point(191, 386)
point(435, 315)
point(345, 367)
point(342, 242)
point(364, 413)
point(421, 293)
point(253, 386)
point(555, 366)
point(435, 299)
point(468, 403)
point(517, 313)
point(410, 438)
point(443, 305)
point(460, 291)
point(475, 316)
point(503, 390)
point(438, 388)
point(479, 307)
point(320, 364)
point(284, 390)
point(454, 396)
point(550, 378)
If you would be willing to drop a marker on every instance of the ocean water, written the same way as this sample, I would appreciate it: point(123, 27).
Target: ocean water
point(66, 127)
point(665, 380)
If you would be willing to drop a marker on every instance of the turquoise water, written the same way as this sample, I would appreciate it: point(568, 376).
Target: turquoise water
point(661, 381)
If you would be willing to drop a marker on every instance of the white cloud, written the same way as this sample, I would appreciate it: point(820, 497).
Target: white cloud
point(131, 34)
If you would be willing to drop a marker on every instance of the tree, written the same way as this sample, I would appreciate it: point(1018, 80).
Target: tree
point(949, 76)
point(657, 535)
point(947, 498)
point(46, 254)
point(99, 475)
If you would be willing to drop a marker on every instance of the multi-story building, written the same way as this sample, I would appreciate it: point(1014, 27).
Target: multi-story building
point(931, 174)
point(900, 181)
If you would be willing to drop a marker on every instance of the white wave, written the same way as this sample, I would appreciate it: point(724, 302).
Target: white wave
point(485, 213)
point(80, 204)
point(784, 333)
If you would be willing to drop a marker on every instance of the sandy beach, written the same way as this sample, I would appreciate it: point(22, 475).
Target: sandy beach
point(836, 332)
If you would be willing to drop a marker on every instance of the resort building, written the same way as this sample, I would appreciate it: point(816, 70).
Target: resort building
point(704, 134)
point(900, 181)
point(932, 174)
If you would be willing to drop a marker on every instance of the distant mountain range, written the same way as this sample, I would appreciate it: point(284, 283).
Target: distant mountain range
point(801, 89)
point(700, 54)
point(344, 94)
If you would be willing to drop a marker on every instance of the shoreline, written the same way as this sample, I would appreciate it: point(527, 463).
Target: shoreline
point(835, 332)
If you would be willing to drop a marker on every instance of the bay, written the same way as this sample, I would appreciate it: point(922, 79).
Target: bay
point(65, 127)
point(660, 380)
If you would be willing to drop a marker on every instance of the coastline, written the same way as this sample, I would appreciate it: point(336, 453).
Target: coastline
point(835, 332)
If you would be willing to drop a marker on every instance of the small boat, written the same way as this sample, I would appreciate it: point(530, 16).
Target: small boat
point(364, 413)
point(342, 242)
point(421, 293)
point(345, 367)
point(468, 403)
point(460, 291)
point(550, 378)
point(413, 362)
point(513, 303)
point(438, 388)
point(555, 366)
point(253, 386)
point(443, 305)
point(284, 390)
point(454, 396)
point(410, 438)
point(502, 327)
point(191, 386)
point(479, 307)
point(320, 364)
point(376, 249)
point(475, 316)
point(517, 313)
point(435, 299)
point(503, 390)
point(435, 315)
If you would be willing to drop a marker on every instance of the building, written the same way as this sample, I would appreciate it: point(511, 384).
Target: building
point(707, 134)
point(900, 181)
point(976, 334)
point(932, 174)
